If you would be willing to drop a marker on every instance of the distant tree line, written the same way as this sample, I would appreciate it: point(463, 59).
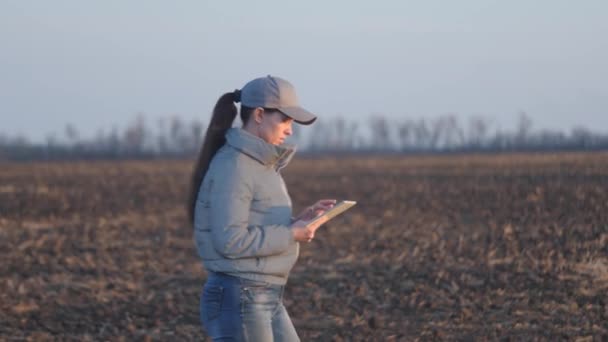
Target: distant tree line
point(175, 138)
point(172, 138)
point(447, 134)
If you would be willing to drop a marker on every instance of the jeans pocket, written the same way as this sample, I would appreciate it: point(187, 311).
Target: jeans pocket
point(212, 302)
point(259, 294)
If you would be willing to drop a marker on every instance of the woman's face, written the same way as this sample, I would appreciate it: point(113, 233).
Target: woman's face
point(274, 127)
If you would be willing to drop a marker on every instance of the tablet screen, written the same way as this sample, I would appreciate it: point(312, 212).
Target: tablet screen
point(337, 209)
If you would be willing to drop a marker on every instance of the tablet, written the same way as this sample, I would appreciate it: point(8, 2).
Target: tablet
point(336, 210)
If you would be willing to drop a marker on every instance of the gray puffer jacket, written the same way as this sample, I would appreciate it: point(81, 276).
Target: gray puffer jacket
point(243, 211)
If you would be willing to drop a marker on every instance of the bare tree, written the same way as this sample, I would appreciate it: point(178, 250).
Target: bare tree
point(197, 129)
point(162, 141)
point(380, 133)
point(454, 136)
point(114, 143)
point(176, 133)
point(71, 134)
point(582, 137)
point(405, 132)
point(478, 128)
point(135, 136)
point(421, 134)
point(437, 132)
point(524, 127)
point(339, 139)
point(352, 135)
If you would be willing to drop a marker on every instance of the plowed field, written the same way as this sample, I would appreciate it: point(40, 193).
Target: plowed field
point(438, 248)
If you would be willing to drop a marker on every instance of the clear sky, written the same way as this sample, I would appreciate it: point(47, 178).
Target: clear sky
point(99, 63)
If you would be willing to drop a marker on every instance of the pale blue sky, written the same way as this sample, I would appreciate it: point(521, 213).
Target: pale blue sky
point(100, 63)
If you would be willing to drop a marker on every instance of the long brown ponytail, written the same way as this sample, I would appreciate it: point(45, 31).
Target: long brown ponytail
point(224, 113)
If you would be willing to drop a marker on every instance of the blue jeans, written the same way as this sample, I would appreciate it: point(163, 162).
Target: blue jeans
point(236, 309)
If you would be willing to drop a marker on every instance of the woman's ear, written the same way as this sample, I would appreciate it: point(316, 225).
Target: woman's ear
point(257, 114)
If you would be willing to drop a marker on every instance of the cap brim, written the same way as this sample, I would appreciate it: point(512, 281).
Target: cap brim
point(299, 115)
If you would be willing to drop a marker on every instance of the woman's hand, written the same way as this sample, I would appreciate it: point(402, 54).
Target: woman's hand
point(316, 209)
point(304, 231)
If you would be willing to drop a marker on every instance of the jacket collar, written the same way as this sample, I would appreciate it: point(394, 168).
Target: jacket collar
point(258, 149)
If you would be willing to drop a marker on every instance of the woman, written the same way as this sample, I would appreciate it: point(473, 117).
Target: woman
point(241, 211)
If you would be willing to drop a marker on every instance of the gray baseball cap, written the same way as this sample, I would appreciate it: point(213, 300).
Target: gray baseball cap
point(277, 93)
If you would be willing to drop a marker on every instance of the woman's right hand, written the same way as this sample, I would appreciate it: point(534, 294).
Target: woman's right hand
point(304, 231)
point(316, 209)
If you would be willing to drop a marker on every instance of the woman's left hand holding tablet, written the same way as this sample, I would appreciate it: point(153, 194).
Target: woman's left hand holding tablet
point(304, 230)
